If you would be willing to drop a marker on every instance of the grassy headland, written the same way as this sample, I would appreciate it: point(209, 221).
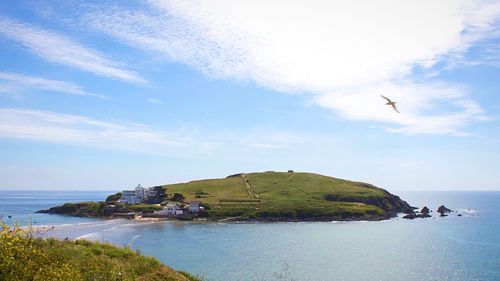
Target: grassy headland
point(267, 196)
point(290, 196)
point(27, 258)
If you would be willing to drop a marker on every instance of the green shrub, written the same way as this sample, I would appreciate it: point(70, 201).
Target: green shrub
point(24, 258)
point(114, 197)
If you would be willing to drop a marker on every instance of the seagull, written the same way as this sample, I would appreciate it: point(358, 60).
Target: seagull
point(390, 102)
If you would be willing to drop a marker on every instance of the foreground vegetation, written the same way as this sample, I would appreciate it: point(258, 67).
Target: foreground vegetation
point(290, 196)
point(24, 257)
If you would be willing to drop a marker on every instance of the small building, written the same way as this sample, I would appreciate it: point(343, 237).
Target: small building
point(174, 209)
point(162, 212)
point(194, 207)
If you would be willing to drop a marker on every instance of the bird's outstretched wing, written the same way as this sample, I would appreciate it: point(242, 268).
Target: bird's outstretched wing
point(395, 108)
point(388, 100)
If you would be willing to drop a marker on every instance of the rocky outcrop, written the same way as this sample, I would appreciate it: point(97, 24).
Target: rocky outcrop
point(443, 211)
point(424, 213)
point(390, 203)
point(85, 209)
point(66, 209)
point(410, 216)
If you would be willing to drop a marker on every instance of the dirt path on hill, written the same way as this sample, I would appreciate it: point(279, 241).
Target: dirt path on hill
point(249, 187)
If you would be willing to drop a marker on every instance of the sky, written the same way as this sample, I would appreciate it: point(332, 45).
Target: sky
point(104, 95)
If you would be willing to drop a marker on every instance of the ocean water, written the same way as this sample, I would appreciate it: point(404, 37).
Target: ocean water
point(451, 248)
point(21, 205)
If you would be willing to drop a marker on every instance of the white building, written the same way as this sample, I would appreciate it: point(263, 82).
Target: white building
point(162, 212)
point(137, 195)
point(174, 208)
point(171, 209)
point(194, 207)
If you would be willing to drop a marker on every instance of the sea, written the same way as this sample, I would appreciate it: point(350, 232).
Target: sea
point(465, 247)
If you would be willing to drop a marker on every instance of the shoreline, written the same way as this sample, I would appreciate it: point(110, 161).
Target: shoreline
point(43, 229)
point(238, 219)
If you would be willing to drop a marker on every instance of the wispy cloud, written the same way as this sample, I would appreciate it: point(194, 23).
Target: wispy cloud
point(54, 127)
point(44, 84)
point(81, 130)
point(154, 101)
point(268, 139)
point(426, 108)
point(344, 53)
point(60, 49)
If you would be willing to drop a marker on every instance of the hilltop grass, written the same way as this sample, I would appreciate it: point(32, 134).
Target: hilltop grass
point(147, 208)
point(292, 196)
point(26, 258)
point(299, 186)
point(210, 191)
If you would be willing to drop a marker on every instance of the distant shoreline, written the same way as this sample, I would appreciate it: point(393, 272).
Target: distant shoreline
point(387, 216)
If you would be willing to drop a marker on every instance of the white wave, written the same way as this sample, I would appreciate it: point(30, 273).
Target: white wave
point(100, 222)
point(467, 212)
point(474, 242)
point(89, 236)
point(138, 223)
point(133, 238)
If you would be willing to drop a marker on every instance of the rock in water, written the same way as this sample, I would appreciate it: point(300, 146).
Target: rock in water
point(424, 213)
point(442, 210)
point(410, 216)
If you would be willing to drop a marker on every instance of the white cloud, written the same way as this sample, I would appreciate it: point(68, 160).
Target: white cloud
point(81, 130)
point(60, 49)
point(418, 104)
point(272, 139)
point(342, 52)
point(154, 101)
point(53, 127)
point(44, 84)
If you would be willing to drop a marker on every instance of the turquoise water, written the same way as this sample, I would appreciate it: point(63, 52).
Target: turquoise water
point(450, 248)
point(21, 205)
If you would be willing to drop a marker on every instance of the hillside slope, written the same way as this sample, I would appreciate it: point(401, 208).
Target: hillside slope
point(27, 258)
point(290, 197)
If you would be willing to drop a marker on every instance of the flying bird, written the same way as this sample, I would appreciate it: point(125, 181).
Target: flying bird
point(391, 103)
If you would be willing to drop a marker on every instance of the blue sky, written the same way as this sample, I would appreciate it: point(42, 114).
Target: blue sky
point(106, 95)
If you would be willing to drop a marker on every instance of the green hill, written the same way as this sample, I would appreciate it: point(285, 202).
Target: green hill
point(268, 196)
point(290, 196)
point(26, 258)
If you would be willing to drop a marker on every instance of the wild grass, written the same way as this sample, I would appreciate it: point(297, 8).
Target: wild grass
point(25, 257)
point(144, 207)
point(210, 191)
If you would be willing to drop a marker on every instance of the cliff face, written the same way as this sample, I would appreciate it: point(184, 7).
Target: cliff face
point(390, 203)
